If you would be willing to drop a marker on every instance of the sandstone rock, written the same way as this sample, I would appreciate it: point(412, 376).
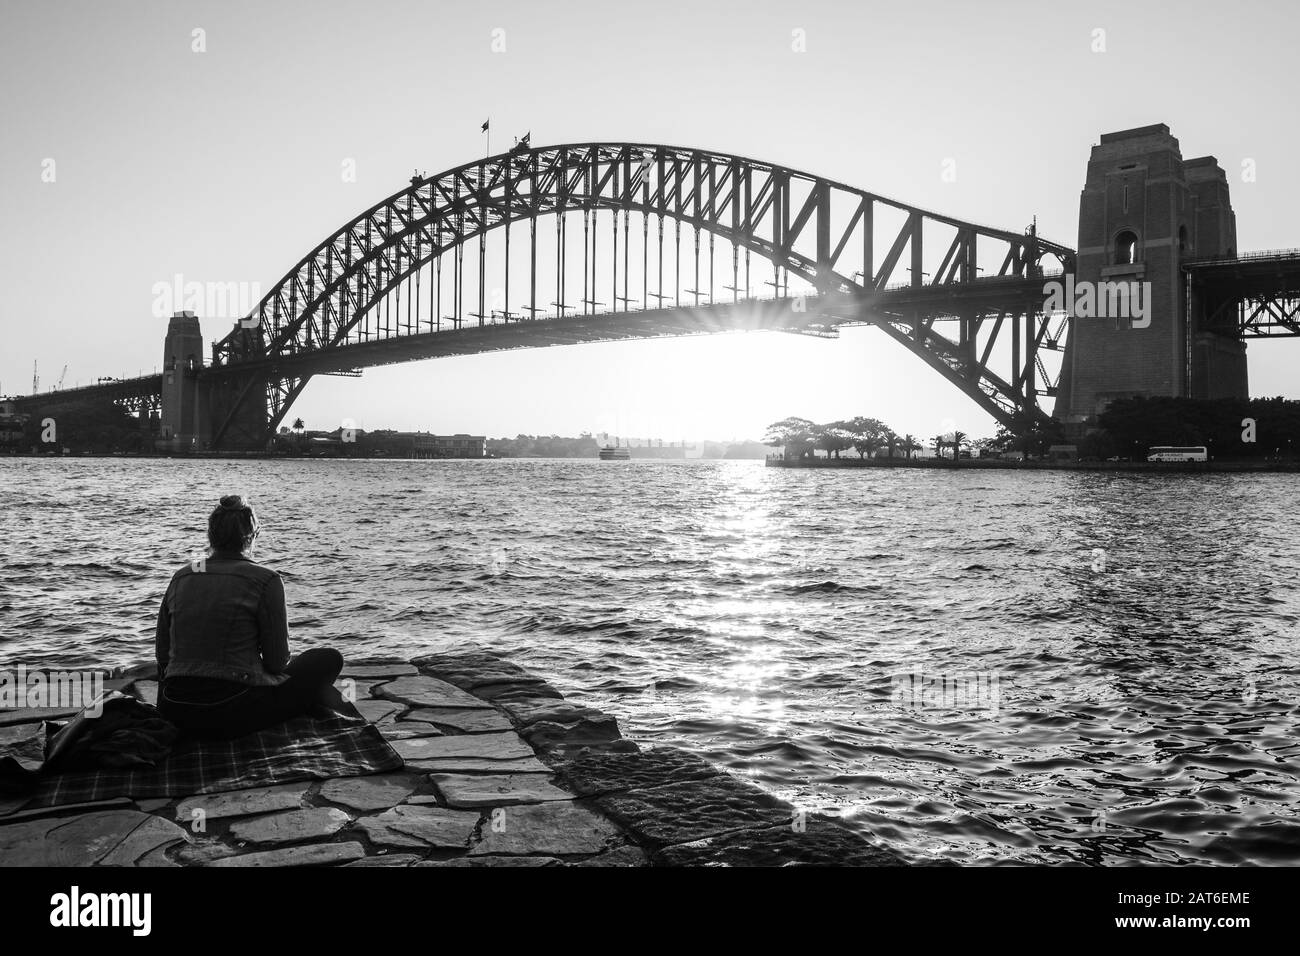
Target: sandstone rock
point(520, 694)
point(80, 840)
point(145, 670)
point(466, 721)
point(824, 842)
point(546, 735)
point(429, 692)
point(472, 669)
point(356, 689)
point(365, 671)
point(32, 715)
point(238, 803)
point(290, 826)
point(377, 792)
point(25, 743)
point(493, 861)
point(526, 711)
point(478, 765)
point(386, 859)
point(312, 854)
point(205, 852)
point(157, 858)
point(397, 731)
point(146, 690)
point(154, 833)
point(65, 810)
point(552, 829)
point(502, 746)
point(153, 806)
point(693, 809)
point(378, 711)
point(420, 827)
point(620, 856)
point(496, 790)
point(595, 772)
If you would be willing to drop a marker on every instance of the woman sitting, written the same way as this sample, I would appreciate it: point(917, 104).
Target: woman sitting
point(223, 641)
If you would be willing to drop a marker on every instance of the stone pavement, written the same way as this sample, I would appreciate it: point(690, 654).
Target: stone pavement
point(500, 771)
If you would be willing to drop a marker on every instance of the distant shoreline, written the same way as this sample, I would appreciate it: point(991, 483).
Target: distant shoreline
point(1004, 464)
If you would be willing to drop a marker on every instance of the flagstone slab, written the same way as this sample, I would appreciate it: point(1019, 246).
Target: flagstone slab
point(552, 829)
point(152, 834)
point(378, 792)
point(146, 690)
point(496, 790)
point(290, 826)
point(66, 841)
point(17, 735)
point(378, 711)
point(386, 859)
point(546, 735)
point(479, 765)
point(502, 746)
point(477, 861)
point(148, 670)
point(358, 689)
point(429, 692)
point(521, 694)
point(360, 671)
point(694, 809)
point(821, 842)
point(619, 856)
point(420, 826)
point(115, 803)
point(153, 805)
point(239, 803)
point(205, 852)
point(30, 715)
point(466, 721)
point(530, 710)
point(597, 772)
point(311, 854)
point(157, 859)
point(396, 731)
point(473, 669)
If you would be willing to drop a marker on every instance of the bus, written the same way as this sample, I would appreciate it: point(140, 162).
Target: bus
point(1177, 453)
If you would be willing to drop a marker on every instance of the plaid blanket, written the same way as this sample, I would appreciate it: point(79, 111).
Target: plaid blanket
point(300, 749)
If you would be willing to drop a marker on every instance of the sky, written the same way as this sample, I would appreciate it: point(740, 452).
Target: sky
point(144, 140)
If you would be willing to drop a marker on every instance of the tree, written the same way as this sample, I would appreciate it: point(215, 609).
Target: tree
point(794, 434)
point(299, 425)
point(958, 440)
point(891, 440)
point(910, 444)
point(939, 442)
point(832, 438)
point(865, 434)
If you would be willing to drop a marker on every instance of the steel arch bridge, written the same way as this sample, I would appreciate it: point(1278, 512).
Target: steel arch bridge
point(486, 256)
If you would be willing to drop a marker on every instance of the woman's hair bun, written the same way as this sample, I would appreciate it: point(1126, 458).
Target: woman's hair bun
point(232, 526)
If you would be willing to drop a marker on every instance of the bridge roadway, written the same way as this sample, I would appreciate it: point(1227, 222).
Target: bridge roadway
point(809, 315)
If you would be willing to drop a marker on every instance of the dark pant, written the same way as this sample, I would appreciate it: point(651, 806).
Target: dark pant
point(221, 709)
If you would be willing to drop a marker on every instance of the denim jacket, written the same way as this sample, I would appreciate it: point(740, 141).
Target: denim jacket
point(225, 618)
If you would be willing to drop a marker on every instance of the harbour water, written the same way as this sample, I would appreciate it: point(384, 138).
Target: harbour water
point(991, 667)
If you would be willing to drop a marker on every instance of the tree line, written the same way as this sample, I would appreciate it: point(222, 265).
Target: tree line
point(802, 438)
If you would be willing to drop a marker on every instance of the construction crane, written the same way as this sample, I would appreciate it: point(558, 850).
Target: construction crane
point(62, 376)
point(36, 382)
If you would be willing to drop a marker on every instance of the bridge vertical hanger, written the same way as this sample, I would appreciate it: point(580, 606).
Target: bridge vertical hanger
point(482, 242)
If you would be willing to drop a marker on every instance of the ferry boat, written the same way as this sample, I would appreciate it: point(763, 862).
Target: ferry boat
point(613, 453)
